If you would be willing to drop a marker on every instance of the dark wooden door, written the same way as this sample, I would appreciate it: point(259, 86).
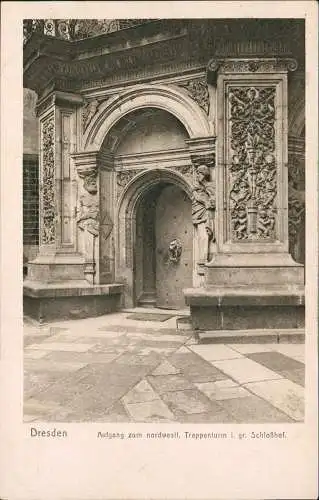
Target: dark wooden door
point(173, 225)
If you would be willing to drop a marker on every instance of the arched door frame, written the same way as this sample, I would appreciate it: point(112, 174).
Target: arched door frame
point(168, 98)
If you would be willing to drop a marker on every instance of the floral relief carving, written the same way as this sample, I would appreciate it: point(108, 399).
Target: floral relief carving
point(252, 179)
point(48, 210)
point(198, 90)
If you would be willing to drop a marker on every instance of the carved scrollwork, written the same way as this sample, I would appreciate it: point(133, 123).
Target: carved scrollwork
point(123, 177)
point(47, 188)
point(198, 90)
point(185, 170)
point(252, 171)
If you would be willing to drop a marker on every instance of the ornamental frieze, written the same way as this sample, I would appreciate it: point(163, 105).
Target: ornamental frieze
point(198, 90)
point(251, 170)
point(47, 186)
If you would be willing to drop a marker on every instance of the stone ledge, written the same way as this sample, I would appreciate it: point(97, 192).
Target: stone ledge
point(258, 336)
point(246, 296)
point(69, 289)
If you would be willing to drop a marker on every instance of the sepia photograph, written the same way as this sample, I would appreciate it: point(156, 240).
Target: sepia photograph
point(159, 250)
point(164, 220)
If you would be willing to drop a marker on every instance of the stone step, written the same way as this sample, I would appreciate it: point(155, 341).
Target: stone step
point(260, 336)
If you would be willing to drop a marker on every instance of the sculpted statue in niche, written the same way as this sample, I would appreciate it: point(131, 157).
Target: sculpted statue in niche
point(203, 211)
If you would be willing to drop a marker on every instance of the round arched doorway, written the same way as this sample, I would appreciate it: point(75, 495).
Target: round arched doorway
point(155, 257)
point(163, 250)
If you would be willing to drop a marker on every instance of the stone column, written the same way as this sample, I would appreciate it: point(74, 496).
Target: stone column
point(58, 259)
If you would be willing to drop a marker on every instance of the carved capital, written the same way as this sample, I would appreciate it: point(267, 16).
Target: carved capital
point(87, 164)
point(248, 65)
point(58, 98)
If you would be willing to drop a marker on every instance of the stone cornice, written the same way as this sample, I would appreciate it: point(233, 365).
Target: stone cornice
point(90, 161)
point(172, 158)
point(162, 42)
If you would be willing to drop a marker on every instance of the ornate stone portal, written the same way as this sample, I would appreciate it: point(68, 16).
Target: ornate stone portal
point(235, 164)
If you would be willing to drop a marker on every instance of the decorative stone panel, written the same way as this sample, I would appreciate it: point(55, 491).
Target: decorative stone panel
point(252, 168)
point(252, 180)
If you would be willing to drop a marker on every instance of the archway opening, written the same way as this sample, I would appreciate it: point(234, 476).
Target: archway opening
point(163, 250)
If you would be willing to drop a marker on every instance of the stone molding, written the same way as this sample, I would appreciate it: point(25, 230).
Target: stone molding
point(202, 150)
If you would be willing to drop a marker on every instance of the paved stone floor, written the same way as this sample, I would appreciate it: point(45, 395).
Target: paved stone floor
point(117, 369)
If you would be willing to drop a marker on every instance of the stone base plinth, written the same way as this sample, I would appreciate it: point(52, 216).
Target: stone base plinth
point(56, 267)
point(69, 300)
point(246, 307)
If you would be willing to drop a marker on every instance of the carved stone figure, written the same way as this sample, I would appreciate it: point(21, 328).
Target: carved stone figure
point(174, 250)
point(89, 214)
point(89, 176)
point(203, 210)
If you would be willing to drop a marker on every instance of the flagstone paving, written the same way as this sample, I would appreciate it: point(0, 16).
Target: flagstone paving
point(118, 369)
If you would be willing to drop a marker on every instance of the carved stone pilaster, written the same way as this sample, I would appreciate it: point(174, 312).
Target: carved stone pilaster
point(296, 188)
point(47, 182)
